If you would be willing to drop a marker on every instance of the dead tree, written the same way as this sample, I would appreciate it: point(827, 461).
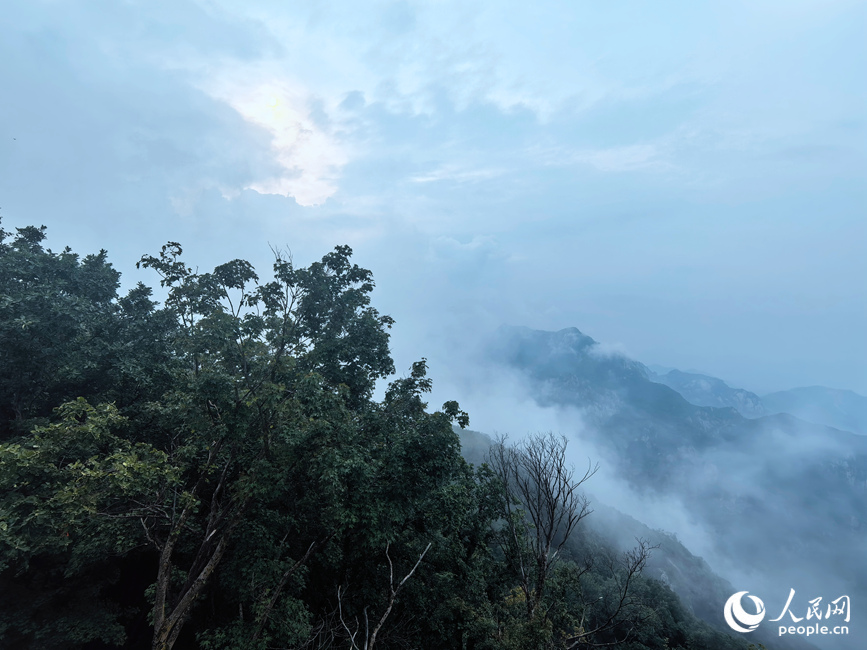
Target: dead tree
point(621, 615)
point(369, 639)
point(541, 503)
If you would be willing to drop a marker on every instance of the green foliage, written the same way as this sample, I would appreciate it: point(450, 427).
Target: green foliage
point(214, 473)
point(64, 333)
point(59, 486)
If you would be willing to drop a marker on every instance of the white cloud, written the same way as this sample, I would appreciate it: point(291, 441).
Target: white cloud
point(311, 157)
point(623, 159)
point(626, 158)
point(604, 350)
point(457, 174)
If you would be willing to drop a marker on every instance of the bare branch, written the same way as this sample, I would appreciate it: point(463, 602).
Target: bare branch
point(634, 562)
point(351, 634)
point(394, 590)
point(536, 478)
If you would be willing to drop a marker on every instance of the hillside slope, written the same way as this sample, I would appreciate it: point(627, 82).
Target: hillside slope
point(784, 499)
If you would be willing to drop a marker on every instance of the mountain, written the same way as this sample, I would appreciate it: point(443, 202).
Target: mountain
point(842, 409)
point(784, 500)
point(703, 390)
point(700, 590)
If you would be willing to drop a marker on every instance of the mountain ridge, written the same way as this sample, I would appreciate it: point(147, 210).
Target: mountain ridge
point(798, 488)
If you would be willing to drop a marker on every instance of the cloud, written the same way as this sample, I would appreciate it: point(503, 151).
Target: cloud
point(603, 350)
point(638, 176)
point(310, 156)
point(450, 247)
point(623, 159)
point(456, 174)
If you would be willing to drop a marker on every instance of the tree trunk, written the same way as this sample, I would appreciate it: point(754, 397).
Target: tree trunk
point(169, 627)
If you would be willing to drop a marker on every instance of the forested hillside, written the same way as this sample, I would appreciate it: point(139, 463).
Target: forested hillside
point(781, 499)
point(213, 472)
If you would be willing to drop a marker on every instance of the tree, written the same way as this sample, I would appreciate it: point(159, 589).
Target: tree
point(541, 504)
point(270, 370)
point(258, 448)
point(369, 639)
point(65, 333)
point(215, 473)
point(54, 550)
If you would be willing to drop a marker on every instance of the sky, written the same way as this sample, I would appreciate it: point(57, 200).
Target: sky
point(684, 181)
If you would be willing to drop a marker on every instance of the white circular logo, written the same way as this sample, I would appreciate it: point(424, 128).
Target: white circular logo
point(737, 618)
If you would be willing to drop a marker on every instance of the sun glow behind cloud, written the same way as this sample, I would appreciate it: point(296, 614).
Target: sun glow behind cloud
point(311, 158)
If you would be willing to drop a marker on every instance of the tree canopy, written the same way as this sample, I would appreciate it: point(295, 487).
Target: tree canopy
point(214, 472)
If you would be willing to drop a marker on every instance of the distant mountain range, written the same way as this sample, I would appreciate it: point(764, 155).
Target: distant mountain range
point(703, 390)
point(699, 588)
point(784, 498)
point(841, 409)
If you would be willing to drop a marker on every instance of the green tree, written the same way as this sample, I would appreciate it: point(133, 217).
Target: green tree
point(215, 473)
point(54, 484)
point(258, 449)
point(64, 333)
point(272, 375)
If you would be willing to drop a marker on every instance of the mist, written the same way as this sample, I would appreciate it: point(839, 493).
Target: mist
point(684, 185)
point(744, 505)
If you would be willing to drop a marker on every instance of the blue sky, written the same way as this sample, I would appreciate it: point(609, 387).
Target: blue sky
point(683, 180)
